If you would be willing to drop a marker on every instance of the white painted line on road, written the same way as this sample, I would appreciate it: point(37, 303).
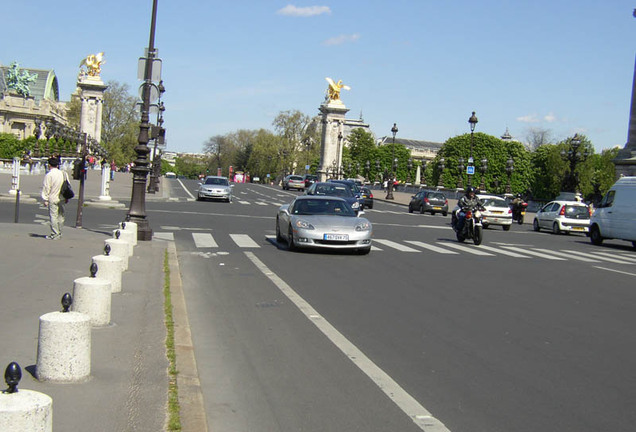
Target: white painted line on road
point(432, 247)
point(565, 255)
point(395, 245)
point(602, 258)
point(531, 252)
point(473, 250)
point(185, 189)
point(411, 407)
point(260, 203)
point(616, 271)
point(204, 240)
point(166, 236)
point(244, 202)
point(621, 257)
point(503, 252)
point(243, 240)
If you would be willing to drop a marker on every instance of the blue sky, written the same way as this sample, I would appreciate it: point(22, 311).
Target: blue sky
point(564, 66)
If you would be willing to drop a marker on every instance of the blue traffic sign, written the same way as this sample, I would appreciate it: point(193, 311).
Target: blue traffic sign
point(470, 170)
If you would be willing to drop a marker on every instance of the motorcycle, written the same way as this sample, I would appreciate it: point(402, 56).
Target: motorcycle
point(473, 228)
point(518, 211)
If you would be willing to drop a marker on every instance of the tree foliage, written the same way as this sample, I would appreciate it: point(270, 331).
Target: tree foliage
point(120, 122)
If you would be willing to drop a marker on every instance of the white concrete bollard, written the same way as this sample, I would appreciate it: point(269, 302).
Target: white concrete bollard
point(130, 226)
point(64, 347)
point(127, 236)
point(119, 248)
point(26, 411)
point(92, 296)
point(110, 268)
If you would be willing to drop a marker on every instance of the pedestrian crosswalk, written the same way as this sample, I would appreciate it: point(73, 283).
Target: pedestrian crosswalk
point(208, 240)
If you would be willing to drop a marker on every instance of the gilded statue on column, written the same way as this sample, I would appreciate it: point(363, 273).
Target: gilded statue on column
point(333, 90)
point(93, 64)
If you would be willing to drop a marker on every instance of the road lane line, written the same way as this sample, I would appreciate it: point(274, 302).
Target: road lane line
point(602, 258)
point(395, 245)
point(244, 241)
point(411, 407)
point(615, 271)
point(503, 252)
point(204, 240)
point(611, 255)
point(472, 250)
point(432, 247)
point(166, 236)
point(185, 189)
point(531, 252)
point(565, 255)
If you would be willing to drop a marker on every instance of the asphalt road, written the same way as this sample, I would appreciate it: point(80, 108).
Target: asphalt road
point(531, 334)
point(529, 331)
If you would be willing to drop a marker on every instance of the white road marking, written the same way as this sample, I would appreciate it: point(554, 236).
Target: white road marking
point(602, 258)
point(470, 249)
point(432, 247)
point(243, 240)
point(260, 203)
point(531, 252)
point(616, 271)
point(166, 236)
point(411, 407)
point(395, 245)
point(611, 255)
point(565, 255)
point(204, 240)
point(503, 252)
point(185, 189)
point(244, 202)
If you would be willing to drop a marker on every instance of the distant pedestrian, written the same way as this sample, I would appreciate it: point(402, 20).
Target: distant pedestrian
point(113, 168)
point(51, 196)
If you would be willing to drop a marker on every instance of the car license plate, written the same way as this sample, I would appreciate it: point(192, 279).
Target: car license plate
point(437, 208)
point(337, 237)
point(497, 212)
point(578, 229)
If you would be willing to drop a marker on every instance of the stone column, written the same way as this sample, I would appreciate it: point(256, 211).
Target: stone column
point(92, 96)
point(333, 117)
point(626, 159)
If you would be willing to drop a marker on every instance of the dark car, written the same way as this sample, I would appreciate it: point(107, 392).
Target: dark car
point(429, 201)
point(341, 190)
point(309, 180)
point(354, 188)
point(367, 197)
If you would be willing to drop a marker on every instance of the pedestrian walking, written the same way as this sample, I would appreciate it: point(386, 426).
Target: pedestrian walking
point(51, 196)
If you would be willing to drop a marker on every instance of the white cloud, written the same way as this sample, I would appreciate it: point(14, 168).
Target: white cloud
point(530, 118)
point(291, 10)
point(339, 40)
point(550, 118)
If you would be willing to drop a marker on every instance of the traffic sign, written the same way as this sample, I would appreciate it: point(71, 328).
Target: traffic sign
point(470, 170)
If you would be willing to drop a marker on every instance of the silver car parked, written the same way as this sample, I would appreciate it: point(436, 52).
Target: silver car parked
point(328, 222)
point(215, 187)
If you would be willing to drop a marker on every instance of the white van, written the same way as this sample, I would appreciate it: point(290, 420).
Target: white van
point(615, 216)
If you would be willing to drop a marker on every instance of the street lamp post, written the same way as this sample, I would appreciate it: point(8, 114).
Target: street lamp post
point(483, 168)
point(573, 156)
point(367, 166)
point(389, 194)
point(409, 167)
point(137, 211)
point(510, 167)
point(440, 181)
point(473, 122)
point(460, 181)
point(377, 170)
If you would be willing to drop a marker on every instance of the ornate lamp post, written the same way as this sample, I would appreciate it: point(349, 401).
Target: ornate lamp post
point(483, 168)
point(409, 168)
point(367, 167)
point(473, 122)
point(137, 211)
point(460, 182)
point(573, 156)
point(377, 169)
point(389, 194)
point(510, 167)
point(440, 181)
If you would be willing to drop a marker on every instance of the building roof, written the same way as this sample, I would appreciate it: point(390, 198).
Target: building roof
point(412, 144)
point(45, 86)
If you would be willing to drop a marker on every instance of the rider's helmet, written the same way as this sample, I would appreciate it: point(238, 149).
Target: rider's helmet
point(470, 189)
point(519, 196)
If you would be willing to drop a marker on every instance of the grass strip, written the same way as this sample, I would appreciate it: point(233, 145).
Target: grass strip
point(174, 419)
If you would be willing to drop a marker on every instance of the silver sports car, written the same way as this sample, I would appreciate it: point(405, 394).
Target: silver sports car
point(322, 222)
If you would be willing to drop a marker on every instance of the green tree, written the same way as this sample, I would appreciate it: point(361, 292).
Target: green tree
point(361, 148)
point(120, 122)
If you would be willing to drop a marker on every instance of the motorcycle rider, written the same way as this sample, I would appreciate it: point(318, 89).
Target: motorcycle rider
point(467, 202)
point(516, 205)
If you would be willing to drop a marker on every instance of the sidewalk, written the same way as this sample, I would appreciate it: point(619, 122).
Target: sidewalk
point(127, 389)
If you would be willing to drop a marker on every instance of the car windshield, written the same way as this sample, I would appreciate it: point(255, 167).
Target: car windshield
point(577, 212)
point(322, 207)
point(335, 189)
point(490, 202)
point(216, 181)
point(296, 178)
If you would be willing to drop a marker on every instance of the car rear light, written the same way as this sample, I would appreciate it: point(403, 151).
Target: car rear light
point(445, 202)
point(370, 195)
point(589, 210)
point(562, 212)
point(509, 211)
point(426, 201)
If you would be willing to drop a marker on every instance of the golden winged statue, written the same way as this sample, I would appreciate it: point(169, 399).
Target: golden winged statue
point(333, 91)
point(93, 63)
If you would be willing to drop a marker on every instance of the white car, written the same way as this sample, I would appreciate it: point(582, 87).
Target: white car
point(563, 217)
point(215, 187)
point(497, 211)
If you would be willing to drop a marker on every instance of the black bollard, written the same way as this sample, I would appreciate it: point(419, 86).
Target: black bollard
point(107, 250)
point(67, 301)
point(94, 269)
point(117, 234)
point(12, 376)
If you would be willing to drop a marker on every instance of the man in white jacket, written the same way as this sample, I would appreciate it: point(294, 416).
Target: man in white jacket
point(53, 181)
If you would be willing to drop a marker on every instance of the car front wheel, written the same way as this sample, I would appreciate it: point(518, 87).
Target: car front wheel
point(595, 236)
point(290, 239)
point(535, 225)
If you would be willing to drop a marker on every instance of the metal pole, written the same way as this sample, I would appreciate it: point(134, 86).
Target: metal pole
point(83, 173)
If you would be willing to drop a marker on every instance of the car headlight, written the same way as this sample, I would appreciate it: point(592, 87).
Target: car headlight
point(363, 226)
point(303, 224)
point(355, 205)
